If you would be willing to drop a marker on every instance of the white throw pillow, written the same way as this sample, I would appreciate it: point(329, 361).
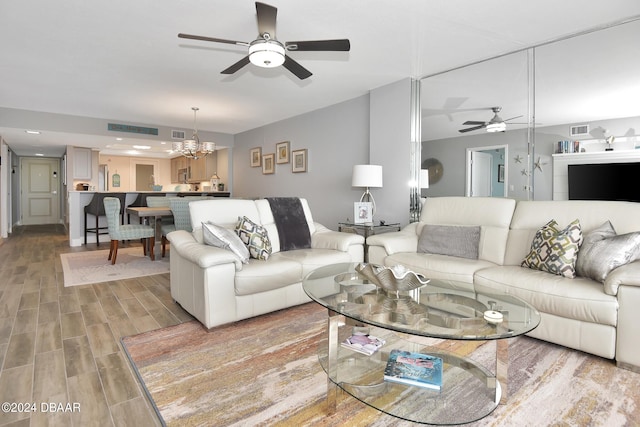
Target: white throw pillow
point(220, 237)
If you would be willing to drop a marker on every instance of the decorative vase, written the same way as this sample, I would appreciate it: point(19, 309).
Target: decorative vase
point(396, 278)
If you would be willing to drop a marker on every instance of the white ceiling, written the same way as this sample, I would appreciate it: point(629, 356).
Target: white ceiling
point(122, 61)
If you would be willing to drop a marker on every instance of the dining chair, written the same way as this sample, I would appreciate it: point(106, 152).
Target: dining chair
point(118, 231)
point(96, 208)
point(166, 224)
point(180, 210)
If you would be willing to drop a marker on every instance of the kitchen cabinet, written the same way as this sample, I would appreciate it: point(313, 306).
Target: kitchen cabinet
point(177, 164)
point(81, 163)
point(197, 170)
point(202, 169)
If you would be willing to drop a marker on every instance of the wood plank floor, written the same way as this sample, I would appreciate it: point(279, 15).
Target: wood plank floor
point(62, 346)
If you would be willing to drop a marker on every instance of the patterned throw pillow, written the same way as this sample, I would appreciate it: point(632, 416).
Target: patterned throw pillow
point(220, 237)
point(603, 251)
point(255, 237)
point(554, 250)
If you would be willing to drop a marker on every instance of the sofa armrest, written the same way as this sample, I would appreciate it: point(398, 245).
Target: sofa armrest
point(200, 254)
point(628, 274)
point(324, 238)
point(405, 240)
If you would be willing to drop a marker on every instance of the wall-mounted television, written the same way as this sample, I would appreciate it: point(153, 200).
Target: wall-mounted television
point(605, 181)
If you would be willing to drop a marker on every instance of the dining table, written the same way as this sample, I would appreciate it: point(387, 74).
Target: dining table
point(147, 214)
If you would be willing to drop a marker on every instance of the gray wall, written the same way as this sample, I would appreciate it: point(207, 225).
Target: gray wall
point(336, 137)
point(373, 129)
point(390, 145)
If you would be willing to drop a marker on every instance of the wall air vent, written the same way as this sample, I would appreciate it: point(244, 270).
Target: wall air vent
point(579, 130)
point(177, 134)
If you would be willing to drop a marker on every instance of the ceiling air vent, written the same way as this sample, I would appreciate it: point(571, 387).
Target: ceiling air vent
point(579, 130)
point(177, 134)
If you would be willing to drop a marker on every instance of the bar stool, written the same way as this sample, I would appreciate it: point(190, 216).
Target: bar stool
point(96, 208)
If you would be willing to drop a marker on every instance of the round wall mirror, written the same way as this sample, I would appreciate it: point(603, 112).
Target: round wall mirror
point(435, 169)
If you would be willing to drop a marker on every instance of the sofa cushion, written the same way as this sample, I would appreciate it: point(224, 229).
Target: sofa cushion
point(603, 250)
point(492, 214)
point(580, 298)
point(454, 240)
point(262, 276)
point(310, 259)
point(434, 266)
point(555, 250)
point(220, 237)
point(255, 237)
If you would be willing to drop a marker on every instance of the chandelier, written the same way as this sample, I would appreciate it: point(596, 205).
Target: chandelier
point(193, 148)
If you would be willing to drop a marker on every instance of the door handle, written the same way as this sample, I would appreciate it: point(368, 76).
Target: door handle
point(54, 192)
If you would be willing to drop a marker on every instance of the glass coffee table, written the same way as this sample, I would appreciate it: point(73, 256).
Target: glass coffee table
point(441, 309)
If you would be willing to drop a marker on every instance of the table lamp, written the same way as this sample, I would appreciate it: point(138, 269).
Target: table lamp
point(367, 176)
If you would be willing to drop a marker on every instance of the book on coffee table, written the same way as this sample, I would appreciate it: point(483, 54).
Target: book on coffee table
point(417, 369)
point(363, 343)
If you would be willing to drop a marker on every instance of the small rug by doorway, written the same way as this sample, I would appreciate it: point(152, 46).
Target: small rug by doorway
point(265, 371)
point(83, 268)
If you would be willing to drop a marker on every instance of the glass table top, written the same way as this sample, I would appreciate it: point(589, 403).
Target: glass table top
point(440, 309)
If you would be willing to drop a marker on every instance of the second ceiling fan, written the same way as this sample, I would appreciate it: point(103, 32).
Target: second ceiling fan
point(267, 52)
point(496, 124)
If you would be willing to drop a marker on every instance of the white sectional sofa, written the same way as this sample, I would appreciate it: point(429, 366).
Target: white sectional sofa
point(580, 313)
point(217, 288)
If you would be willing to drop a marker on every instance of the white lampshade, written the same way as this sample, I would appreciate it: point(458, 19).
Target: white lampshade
point(369, 176)
point(496, 127)
point(266, 54)
point(424, 178)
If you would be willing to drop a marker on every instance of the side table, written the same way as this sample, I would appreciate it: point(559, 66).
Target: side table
point(368, 229)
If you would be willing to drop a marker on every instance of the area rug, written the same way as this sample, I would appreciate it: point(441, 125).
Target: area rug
point(265, 371)
point(83, 268)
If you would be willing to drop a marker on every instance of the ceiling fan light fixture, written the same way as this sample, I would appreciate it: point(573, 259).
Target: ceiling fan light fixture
point(266, 53)
point(497, 127)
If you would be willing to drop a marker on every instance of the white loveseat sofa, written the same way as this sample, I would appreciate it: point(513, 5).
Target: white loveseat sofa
point(580, 313)
point(216, 288)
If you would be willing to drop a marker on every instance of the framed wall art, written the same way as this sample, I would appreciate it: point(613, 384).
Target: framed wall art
point(500, 173)
point(256, 157)
point(282, 152)
point(299, 160)
point(268, 164)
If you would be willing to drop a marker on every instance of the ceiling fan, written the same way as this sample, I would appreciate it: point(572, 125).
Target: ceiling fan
point(496, 124)
point(267, 52)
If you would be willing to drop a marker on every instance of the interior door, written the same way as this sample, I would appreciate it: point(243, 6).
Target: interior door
point(481, 167)
point(40, 188)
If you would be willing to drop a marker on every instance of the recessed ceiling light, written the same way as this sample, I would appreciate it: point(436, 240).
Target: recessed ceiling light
point(118, 139)
point(39, 154)
point(33, 132)
point(142, 147)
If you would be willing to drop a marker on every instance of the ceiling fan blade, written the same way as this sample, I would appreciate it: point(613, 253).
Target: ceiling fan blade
point(341, 45)
point(512, 118)
point(470, 129)
point(472, 122)
point(211, 39)
point(297, 69)
point(235, 67)
point(266, 19)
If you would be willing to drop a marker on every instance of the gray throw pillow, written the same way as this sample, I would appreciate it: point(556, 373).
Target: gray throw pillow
point(603, 250)
point(455, 240)
point(220, 237)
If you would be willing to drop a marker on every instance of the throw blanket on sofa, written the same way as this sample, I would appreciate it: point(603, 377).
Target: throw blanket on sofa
point(291, 223)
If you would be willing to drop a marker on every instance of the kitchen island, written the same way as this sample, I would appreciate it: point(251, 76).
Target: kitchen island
point(77, 200)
